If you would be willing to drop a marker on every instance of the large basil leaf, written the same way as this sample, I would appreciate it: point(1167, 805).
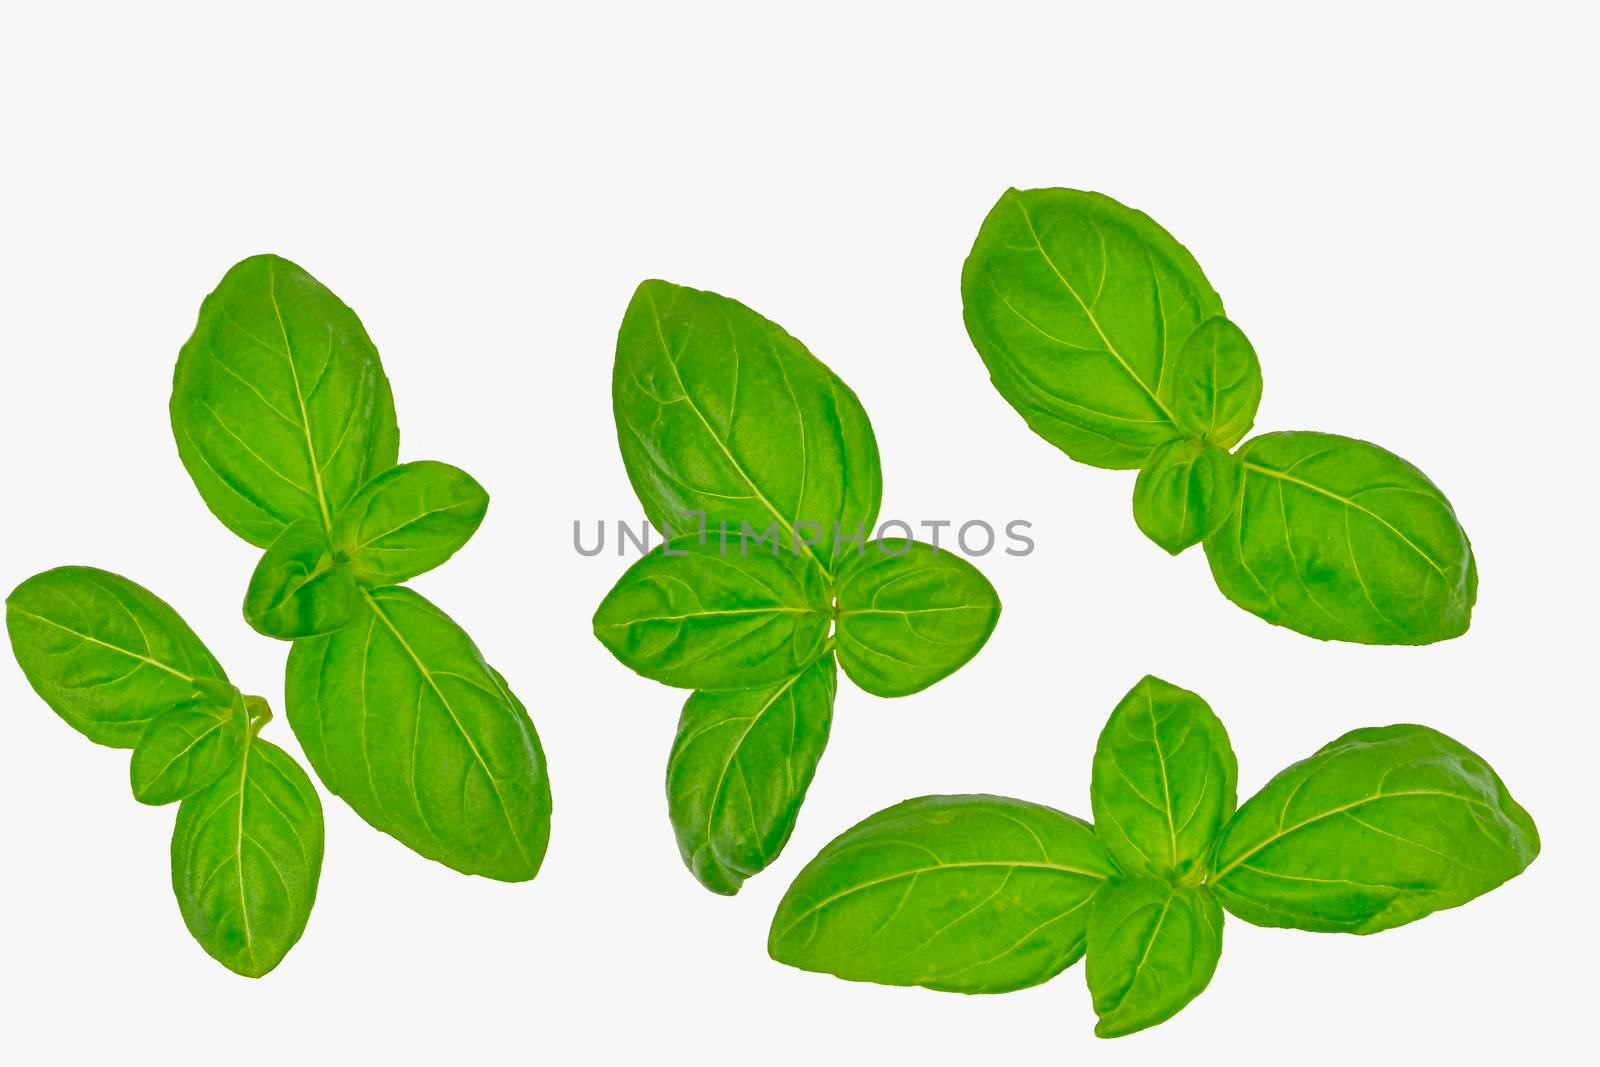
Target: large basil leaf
point(1079, 307)
point(1164, 781)
point(740, 767)
point(408, 520)
point(189, 747)
point(401, 717)
point(279, 405)
point(910, 615)
point(246, 855)
point(1185, 491)
point(1338, 539)
point(1217, 384)
point(1153, 948)
point(722, 415)
point(716, 615)
point(1378, 828)
point(106, 654)
point(297, 590)
point(975, 894)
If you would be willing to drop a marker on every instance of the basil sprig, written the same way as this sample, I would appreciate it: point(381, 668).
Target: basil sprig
point(285, 421)
point(1101, 330)
point(120, 666)
point(760, 468)
point(984, 894)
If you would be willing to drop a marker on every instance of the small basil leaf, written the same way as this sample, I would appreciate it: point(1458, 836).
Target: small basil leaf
point(1378, 828)
point(1217, 383)
point(106, 654)
point(1164, 782)
point(1079, 307)
point(716, 616)
point(279, 405)
point(408, 520)
point(909, 615)
point(1340, 540)
point(973, 894)
point(187, 748)
point(1153, 948)
point(246, 855)
point(401, 717)
point(739, 770)
point(296, 589)
point(1185, 491)
point(722, 416)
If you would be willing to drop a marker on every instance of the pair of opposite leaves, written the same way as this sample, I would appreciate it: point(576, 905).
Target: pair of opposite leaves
point(285, 421)
point(985, 894)
point(1104, 334)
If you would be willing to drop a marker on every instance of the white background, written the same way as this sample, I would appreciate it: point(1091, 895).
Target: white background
point(1396, 203)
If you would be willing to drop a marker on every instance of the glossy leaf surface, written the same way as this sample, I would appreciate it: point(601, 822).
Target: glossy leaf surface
point(975, 894)
point(408, 520)
point(1186, 490)
point(1079, 307)
point(105, 653)
point(246, 856)
point(909, 615)
point(1153, 948)
point(1217, 384)
point(401, 717)
point(1377, 829)
point(1164, 782)
point(716, 616)
point(1338, 539)
point(296, 589)
point(721, 413)
point(739, 769)
point(188, 748)
point(279, 405)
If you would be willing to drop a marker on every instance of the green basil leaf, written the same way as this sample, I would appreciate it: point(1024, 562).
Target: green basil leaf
point(106, 654)
point(401, 717)
point(1153, 948)
point(1217, 384)
point(408, 520)
point(1378, 828)
point(909, 615)
point(1338, 539)
point(716, 615)
point(1186, 490)
point(297, 590)
point(739, 770)
point(246, 855)
point(1079, 307)
point(722, 415)
point(187, 748)
point(1164, 781)
point(279, 405)
point(974, 894)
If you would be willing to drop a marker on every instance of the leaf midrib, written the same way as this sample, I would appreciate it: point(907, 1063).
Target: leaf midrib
point(1166, 787)
point(299, 396)
point(666, 352)
point(1339, 810)
point(106, 644)
point(427, 674)
point(916, 871)
point(1090, 316)
point(733, 754)
point(1149, 946)
point(1347, 502)
point(238, 848)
